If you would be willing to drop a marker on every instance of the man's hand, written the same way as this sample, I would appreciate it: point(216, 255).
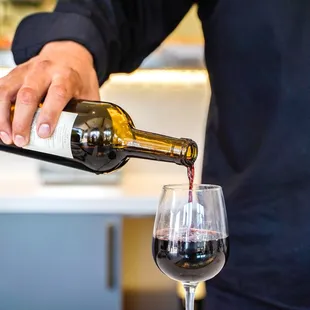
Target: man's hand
point(61, 71)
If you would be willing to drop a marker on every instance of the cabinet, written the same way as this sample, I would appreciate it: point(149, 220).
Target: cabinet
point(60, 261)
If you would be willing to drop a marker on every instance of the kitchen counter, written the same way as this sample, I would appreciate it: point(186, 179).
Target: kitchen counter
point(21, 190)
point(78, 199)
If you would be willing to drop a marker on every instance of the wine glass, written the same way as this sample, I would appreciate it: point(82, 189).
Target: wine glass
point(190, 236)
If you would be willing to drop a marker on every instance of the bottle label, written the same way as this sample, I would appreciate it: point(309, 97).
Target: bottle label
point(60, 142)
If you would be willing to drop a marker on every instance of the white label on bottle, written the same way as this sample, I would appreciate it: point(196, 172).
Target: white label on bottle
point(60, 142)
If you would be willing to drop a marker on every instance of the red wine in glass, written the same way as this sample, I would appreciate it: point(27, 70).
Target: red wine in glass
point(194, 258)
point(191, 240)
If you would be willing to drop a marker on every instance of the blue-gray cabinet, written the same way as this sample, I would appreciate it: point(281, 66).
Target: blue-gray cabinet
point(60, 262)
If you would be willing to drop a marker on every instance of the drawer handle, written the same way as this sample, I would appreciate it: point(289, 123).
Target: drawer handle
point(110, 256)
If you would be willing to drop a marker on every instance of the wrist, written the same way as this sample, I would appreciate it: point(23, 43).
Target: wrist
point(67, 49)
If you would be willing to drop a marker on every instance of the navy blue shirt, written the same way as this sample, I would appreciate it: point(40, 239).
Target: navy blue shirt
point(258, 131)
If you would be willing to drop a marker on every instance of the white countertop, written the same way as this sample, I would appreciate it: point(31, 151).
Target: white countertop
point(22, 191)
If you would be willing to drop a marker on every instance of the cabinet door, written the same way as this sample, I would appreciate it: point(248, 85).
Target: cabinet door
point(60, 262)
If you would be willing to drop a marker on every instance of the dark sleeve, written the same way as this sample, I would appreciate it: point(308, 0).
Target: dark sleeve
point(118, 33)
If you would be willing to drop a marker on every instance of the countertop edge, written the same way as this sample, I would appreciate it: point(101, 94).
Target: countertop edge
point(142, 206)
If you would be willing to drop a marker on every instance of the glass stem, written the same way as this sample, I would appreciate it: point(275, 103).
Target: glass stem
point(190, 289)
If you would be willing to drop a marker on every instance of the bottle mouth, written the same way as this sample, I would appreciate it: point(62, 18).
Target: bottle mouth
point(189, 152)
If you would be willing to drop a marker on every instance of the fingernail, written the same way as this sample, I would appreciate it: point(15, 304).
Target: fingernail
point(5, 137)
point(19, 141)
point(44, 131)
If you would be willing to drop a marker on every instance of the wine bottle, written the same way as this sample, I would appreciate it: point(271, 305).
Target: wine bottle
point(100, 137)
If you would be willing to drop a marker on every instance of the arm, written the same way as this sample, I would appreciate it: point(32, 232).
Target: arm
point(118, 33)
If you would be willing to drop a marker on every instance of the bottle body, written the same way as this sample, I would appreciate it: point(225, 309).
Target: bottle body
point(100, 137)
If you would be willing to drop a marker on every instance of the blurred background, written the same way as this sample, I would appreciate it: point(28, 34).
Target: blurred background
point(73, 240)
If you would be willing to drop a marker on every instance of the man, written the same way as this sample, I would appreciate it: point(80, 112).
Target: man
point(258, 133)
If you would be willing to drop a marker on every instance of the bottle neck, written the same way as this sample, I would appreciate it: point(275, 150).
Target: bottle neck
point(148, 145)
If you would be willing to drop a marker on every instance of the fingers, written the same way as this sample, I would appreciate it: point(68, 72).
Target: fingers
point(9, 85)
point(63, 87)
point(28, 98)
